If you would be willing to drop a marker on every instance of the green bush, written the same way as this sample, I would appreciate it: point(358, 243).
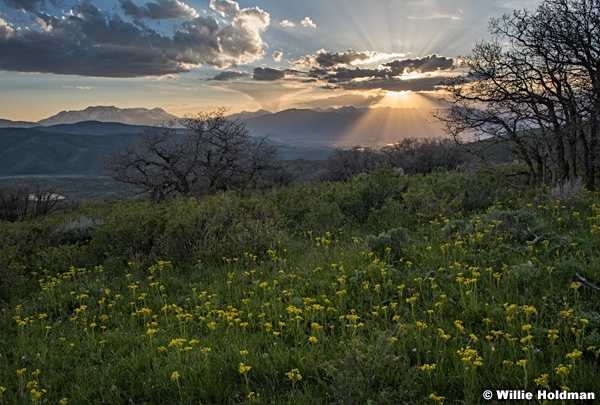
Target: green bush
point(305, 208)
point(79, 230)
point(189, 229)
point(368, 192)
point(223, 225)
point(388, 244)
point(130, 231)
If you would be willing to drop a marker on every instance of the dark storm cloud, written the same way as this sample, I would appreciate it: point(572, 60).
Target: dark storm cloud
point(91, 42)
point(327, 59)
point(161, 10)
point(268, 74)
point(27, 5)
point(426, 64)
point(229, 75)
point(388, 76)
point(428, 83)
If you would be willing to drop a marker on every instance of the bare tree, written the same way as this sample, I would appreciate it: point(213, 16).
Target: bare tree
point(535, 88)
point(14, 201)
point(197, 154)
point(43, 198)
point(30, 197)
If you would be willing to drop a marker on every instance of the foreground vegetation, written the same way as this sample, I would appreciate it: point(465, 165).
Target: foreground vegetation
point(382, 289)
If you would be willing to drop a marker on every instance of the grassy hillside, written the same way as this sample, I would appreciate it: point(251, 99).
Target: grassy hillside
point(384, 289)
point(29, 151)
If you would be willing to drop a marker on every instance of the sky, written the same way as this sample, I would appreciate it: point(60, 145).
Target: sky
point(188, 56)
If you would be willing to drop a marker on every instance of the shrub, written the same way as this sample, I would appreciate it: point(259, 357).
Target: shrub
point(189, 229)
point(388, 244)
point(305, 208)
point(368, 192)
point(216, 226)
point(77, 230)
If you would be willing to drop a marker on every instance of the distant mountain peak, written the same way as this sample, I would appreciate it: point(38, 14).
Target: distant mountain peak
point(249, 114)
point(132, 116)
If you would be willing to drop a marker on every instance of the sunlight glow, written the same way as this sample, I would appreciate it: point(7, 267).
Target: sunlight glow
point(388, 125)
point(409, 99)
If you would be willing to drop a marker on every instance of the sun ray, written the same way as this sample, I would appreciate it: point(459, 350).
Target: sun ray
point(386, 125)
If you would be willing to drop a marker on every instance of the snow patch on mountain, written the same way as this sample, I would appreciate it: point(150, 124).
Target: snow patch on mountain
point(133, 116)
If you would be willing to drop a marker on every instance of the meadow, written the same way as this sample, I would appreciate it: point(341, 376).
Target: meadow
point(383, 289)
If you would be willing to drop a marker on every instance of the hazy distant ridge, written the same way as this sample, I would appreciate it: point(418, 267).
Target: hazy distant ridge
point(16, 124)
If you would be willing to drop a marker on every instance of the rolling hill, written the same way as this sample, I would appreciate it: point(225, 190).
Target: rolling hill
point(31, 151)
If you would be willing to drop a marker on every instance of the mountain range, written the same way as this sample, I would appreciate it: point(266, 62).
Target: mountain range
point(132, 116)
point(343, 127)
point(77, 142)
point(135, 116)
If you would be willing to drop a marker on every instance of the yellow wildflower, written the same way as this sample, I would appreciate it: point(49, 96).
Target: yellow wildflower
point(574, 354)
point(243, 369)
point(562, 369)
point(459, 325)
point(542, 380)
point(294, 375)
point(437, 399)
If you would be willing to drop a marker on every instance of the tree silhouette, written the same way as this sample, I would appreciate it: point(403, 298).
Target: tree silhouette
point(198, 154)
point(535, 87)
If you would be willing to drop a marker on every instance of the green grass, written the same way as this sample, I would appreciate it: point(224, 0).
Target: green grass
point(279, 300)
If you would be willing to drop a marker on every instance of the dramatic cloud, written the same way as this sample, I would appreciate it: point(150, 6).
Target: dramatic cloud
point(419, 74)
point(426, 64)
point(5, 30)
point(426, 83)
point(229, 75)
point(268, 74)
point(27, 5)
point(91, 42)
point(242, 38)
point(225, 7)
point(327, 59)
point(161, 10)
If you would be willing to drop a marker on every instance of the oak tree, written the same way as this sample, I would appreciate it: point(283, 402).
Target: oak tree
point(535, 87)
point(198, 154)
